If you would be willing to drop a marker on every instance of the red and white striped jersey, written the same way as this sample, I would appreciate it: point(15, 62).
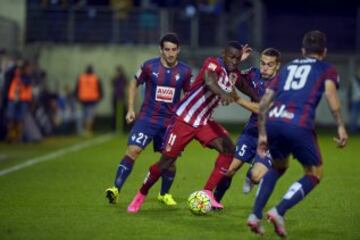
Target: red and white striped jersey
point(198, 105)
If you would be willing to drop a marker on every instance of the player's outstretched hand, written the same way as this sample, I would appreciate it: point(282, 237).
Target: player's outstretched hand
point(235, 96)
point(262, 146)
point(246, 52)
point(342, 137)
point(226, 99)
point(130, 116)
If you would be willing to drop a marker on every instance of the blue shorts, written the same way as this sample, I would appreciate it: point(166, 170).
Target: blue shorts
point(289, 139)
point(16, 110)
point(144, 132)
point(246, 150)
point(89, 111)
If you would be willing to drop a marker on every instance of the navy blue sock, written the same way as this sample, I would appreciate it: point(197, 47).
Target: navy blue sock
point(249, 173)
point(167, 181)
point(296, 193)
point(266, 187)
point(123, 171)
point(222, 187)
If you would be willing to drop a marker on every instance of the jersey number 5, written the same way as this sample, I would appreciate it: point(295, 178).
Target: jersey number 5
point(297, 77)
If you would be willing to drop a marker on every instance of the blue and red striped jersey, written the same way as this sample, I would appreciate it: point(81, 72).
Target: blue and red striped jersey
point(298, 90)
point(163, 87)
point(251, 84)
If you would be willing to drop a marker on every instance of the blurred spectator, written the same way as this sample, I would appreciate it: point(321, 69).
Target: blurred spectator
point(47, 109)
point(3, 65)
point(354, 102)
point(52, 3)
point(122, 10)
point(88, 93)
point(121, 7)
point(148, 26)
point(6, 72)
point(69, 119)
point(19, 97)
point(119, 83)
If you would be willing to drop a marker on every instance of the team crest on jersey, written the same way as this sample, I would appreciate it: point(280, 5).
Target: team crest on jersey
point(164, 94)
point(177, 77)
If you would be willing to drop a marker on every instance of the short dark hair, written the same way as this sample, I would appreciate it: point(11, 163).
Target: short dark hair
point(170, 37)
point(314, 42)
point(272, 52)
point(234, 44)
point(89, 69)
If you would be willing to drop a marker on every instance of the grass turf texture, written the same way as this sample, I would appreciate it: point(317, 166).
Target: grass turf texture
point(64, 198)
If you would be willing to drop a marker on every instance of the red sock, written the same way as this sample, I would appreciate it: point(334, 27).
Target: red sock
point(221, 166)
point(151, 178)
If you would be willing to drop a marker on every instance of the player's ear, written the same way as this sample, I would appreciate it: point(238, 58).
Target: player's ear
point(223, 53)
point(325, 52)
point(278, 66)
point(160, 50)
point(303, 51)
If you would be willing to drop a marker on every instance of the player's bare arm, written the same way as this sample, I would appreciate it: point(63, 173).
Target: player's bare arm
point(211, 79)
point(263, 109)
point(334, 105)
point(130, 115)
point(248, 105)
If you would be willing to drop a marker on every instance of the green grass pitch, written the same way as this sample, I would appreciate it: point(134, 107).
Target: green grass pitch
point(63, 198)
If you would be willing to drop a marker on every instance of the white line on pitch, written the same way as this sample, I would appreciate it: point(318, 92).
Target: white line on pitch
point(56, 154)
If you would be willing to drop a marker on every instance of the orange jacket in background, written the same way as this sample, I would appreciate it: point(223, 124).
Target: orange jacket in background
point(88, 89)
point(18, 91)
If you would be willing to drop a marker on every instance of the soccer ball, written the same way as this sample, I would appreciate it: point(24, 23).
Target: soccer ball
point(199, 203)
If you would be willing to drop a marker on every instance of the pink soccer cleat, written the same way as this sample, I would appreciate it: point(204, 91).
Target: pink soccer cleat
point(136, 203)
point(278, 221)
point(255, 225)
point(215, 204)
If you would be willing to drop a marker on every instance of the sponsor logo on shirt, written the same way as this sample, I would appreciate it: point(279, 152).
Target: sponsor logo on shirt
point(280, 112)
point(155, 74)
point(164, 94)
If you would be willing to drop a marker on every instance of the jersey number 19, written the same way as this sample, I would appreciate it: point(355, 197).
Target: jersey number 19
point(297, 77)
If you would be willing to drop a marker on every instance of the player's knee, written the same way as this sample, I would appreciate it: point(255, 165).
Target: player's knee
point(256, 177)
point(228, 148)
point(223, 145)
point(133, 152)
point(230, 172)
point(172, 167)
point(166, 162)
point(315, 171)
